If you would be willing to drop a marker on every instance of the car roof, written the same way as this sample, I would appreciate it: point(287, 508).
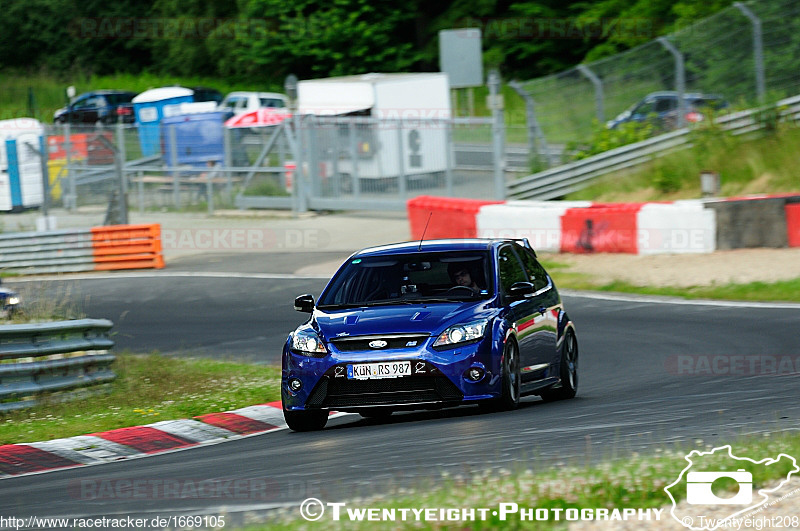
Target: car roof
point(466, 244)
point(259, 94)
point(686, 95)
point(102, 92)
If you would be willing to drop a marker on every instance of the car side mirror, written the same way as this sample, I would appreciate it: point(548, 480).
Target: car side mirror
point(304, 303)
point(521, 290)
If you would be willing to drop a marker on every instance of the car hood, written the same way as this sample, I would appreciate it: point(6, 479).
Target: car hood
point(405, 319)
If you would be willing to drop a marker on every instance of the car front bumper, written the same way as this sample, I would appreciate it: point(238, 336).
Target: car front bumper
point(438, 379)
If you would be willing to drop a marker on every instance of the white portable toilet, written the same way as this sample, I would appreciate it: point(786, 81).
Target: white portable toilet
point(20, 165)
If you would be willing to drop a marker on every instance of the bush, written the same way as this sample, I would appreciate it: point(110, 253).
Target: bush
point(604, 139)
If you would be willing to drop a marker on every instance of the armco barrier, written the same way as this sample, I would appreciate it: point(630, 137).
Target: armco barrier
point(65, 364)
point(449, 217)
point(793, 224)
point(95, 249)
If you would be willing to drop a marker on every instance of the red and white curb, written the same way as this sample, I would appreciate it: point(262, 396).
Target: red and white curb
point(138, 441)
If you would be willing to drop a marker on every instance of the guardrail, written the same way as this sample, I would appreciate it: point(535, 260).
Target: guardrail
point(562, 180)
point(67, 366)
point(95, 249)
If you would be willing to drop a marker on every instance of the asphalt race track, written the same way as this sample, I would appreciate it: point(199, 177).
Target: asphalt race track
point(637, 391)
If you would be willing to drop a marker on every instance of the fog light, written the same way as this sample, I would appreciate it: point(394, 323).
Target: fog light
point(295, 384)
point(474, 374)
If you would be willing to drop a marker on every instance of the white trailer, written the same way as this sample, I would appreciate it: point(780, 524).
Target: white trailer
point(401, 122)
point(20, 169)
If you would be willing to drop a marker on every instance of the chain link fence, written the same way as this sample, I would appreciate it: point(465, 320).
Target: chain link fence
point(334, 163)
point(747, 53)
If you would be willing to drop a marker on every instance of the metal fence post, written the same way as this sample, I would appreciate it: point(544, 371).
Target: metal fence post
point(299, 185)
point(537, 143)
point(228, 154)
point(598, 92)
point(401, 176)
point(45, 180)
point(449, 146)
point(498, 130)
point(758, 50)
point(680, 79)
point(119, 163)
point(354, 178)
point(173, 151)
point(72, 198)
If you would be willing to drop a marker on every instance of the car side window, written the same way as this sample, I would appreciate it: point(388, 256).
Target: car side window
point(92, 103)
point(536, 273)
point(666, 104)
point(510, 269)
point(645, 108)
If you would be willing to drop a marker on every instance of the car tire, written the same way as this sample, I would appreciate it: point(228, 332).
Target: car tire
point(568, 372)
point(509, 397)
point(305, 420)
point(377, 413)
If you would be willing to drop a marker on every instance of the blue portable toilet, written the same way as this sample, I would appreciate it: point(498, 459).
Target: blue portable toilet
point(152, 106)
point(199, 137)
point(20, 166)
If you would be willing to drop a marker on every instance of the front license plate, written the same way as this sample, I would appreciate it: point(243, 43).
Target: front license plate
point(374, 371)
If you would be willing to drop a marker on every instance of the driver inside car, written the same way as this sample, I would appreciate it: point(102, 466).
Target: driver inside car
point(462, 276)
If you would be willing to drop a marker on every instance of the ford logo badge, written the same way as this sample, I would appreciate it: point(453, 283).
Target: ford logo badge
point(378, 343)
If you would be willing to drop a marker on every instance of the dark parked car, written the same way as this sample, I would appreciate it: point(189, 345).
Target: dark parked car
point(207, 94)
point(426, 325)
point(103, 106)
point(662, 108)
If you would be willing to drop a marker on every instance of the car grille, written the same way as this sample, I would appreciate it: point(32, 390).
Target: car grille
point(422, 387)
point(398, 341)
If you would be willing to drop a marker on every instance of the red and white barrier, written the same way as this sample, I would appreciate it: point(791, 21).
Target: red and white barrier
point(685, 226)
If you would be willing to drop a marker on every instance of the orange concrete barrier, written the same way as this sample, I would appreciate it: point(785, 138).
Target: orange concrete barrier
point(127, 247)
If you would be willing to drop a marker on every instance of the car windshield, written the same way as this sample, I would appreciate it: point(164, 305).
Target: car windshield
point(410, 278)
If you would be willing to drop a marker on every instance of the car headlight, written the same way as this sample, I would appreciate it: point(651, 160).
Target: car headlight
point(308, 342)
point(462, 333)
point(12, 300)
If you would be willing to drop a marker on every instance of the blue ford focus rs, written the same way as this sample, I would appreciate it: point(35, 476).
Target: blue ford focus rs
point(426, 325)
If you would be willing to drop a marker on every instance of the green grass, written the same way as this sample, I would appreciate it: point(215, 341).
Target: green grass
point(785, 290)
point(148, 388)
point(623, 478)
point(764, 164)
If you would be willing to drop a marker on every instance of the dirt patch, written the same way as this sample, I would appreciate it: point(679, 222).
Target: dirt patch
point(683, 270)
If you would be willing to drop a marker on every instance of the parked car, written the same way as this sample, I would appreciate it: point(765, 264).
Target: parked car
point(662, 108)
point(206, 94)
point(426, 325)
point(103, 106)
point(243, 102)
point(9, 301)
